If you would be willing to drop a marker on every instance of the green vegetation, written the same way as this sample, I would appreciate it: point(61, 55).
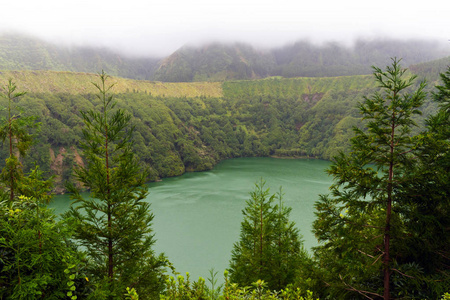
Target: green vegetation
point(182, 288)
point(364, 214)
point(219, 62)
point(191, 126)
point(383, 230)
point(35, 252)
point(31, 237)
point(14, 130)
point(49, 82)
point(215, 62)
point(114, 223)
point(270, 248)
point(27, 53)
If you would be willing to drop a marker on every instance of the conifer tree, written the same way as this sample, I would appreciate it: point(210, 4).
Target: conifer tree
point(114, 223)
point(427, 195)
point(360, 225)
point(288, 252)
point(270, 247)
point(15, 131)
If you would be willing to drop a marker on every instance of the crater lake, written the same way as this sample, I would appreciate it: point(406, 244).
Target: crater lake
point(197, 216)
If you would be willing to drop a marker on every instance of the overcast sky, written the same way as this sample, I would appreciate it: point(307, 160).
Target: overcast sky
point(161, 27)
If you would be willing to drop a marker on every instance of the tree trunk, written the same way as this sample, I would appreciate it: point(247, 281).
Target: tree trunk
point(11, 172)
point(110, 241)
point(261, 260)
point(387, 228)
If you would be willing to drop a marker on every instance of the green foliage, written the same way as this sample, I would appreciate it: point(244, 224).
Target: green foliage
point(32, 242)
point(197, 290)
point(431, 69)
point(220, 62)
point(114, 223)
point(381, 204)
point(302, 117)
point(27, 53)
point(270, 248)
point(215, 62)
point(183, 289)
point(426, 215)
point(131, 294)
point(35, 249)
point(214, 290)
point(388, 165)
point(15, 130)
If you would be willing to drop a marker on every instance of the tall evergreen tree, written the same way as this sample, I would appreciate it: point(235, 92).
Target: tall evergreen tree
point(427, 195)
point(288, 252)
point(360, 225)
point(270, 247)
point(114, 223)
point(15, 131)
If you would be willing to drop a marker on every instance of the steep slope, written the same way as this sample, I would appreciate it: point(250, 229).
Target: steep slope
point(431, 69)
point(19, 52)
point(220, 62)
point(332, 59)
point(215, 62)
point(301, 59)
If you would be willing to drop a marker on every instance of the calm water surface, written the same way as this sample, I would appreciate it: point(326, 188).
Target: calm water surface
point(198, 215)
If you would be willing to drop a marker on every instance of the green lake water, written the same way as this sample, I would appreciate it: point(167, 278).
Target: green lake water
point(198, 215)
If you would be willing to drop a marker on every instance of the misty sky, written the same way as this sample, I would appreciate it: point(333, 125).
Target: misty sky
point(160, 27)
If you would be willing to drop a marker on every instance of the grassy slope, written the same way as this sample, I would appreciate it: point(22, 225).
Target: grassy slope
point(80, 83)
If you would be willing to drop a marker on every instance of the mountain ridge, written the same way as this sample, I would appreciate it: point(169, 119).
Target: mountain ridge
point(219, 61)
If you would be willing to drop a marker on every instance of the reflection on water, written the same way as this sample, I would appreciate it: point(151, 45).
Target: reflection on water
point(198, 215)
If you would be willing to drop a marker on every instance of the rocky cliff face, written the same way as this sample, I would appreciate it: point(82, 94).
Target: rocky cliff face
point(62, 163)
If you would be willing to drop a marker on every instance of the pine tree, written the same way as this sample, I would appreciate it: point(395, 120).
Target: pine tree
point(361, 224)
point(427, 195)
point(270, 247)
point(15, 131)
point(114, 223)
point(288, 252)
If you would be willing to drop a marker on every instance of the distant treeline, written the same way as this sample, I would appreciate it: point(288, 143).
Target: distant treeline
point(219, 62)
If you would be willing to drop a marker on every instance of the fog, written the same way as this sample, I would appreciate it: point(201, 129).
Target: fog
point(157, 28)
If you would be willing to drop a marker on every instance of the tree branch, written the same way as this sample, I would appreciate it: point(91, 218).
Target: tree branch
point(402, 273)
point(363, 293)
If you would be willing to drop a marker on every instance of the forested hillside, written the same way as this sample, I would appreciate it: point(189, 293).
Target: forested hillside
point(219, 62)
point(191, 126)
point(216, 62)
point(223, 62)
point(19, 52)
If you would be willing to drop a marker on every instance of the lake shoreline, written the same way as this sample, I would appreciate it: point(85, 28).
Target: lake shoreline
point(197, 215)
